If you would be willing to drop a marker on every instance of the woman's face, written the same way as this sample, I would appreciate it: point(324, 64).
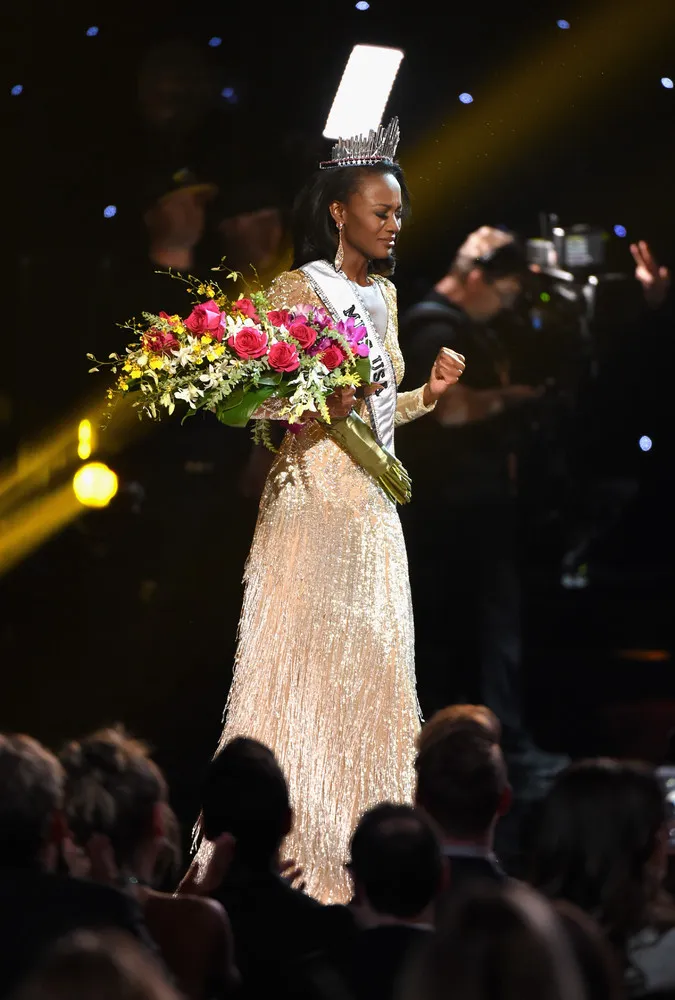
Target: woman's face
point(371, 216)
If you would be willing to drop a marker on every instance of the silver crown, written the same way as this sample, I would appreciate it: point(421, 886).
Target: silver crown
point(378, 147)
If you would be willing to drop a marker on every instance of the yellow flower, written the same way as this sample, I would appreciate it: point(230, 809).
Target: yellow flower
point(124, 386)
point(156, 363)
point(210, 291)
point(126, 367)
point(136, 373)
point(218, 350)
point(211, 356)
point(175, 318)
point(200, 289)
point(206, 339)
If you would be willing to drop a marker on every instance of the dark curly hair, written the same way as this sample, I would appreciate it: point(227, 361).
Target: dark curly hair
point(314, 232)
point(112, 787)
point(595, 835)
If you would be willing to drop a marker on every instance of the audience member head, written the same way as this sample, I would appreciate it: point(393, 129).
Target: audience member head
point(114, 790)
point(598, 965)
point(478, 718)
point(177, 85)
point(486, 275)
point(245, 794)
point(462, 783)
point(497, 942)
point(253, 226)
point(109, 965)
point(600, 841)
point(396, 863)
point(32, 824)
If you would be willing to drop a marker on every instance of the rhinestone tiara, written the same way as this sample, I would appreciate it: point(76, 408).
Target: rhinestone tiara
point(377, 147)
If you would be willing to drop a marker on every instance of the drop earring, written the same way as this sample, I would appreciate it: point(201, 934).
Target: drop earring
point(340, 255)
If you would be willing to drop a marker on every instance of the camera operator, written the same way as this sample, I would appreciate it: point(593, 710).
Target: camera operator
point(465, 476)
point(463, 466)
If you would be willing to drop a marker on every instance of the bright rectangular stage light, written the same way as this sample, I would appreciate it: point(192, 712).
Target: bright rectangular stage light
point(363, 92)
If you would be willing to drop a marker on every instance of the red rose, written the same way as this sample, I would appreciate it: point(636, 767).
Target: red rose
point(249, 342)
point(205, 318)
point(333, 357)
point(283, 357)
point(304, 334)
point(279, 317)
point(246, 308)
point(157, 341)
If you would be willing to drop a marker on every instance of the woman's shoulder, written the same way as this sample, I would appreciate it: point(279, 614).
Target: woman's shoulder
point(289, 289)
point(386, 283)
point(199, 912)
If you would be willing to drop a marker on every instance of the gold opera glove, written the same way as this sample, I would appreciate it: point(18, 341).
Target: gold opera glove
point(355, 436)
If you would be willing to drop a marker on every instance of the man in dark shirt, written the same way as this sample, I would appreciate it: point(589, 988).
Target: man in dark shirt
point(398, 873)
point(463, 468)
point(463, 786)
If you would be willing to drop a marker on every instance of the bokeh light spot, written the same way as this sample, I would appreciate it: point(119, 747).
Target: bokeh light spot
point(620, 230)
point(95, 484)
point(466, 98)
point(16, 90)
point(109, 211)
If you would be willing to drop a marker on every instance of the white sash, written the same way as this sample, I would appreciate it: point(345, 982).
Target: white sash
point(342, 300)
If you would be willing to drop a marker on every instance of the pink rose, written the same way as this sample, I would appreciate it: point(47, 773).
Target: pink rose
point(283, 357)
point(333, 357)
point(249, 342)
point(205, 318)
point(362, 349)
point(304, 334)
point(279, 317)
point(246, 308)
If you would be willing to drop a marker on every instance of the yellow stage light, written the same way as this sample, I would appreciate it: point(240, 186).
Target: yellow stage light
point(95, 484)
point(84, 440)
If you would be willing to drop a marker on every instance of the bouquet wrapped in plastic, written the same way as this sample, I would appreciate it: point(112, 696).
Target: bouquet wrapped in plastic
point(232, 356)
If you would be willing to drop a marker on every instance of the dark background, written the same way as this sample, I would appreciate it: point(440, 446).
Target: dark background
point(130, 613)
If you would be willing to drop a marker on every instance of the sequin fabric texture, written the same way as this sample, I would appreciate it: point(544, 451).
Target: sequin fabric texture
point(324, 672)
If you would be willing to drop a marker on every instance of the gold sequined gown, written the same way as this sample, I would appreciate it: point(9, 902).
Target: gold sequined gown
point(324, 670)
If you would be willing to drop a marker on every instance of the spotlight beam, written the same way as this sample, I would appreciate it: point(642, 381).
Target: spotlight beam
point(473, 145)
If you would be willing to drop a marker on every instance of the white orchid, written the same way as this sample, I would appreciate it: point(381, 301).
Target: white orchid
point(183, 355)
point(212, 378)
point(189, 393)
point(167, 401)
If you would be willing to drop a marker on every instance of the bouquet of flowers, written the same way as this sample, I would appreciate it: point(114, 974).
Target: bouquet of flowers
point(239, 357)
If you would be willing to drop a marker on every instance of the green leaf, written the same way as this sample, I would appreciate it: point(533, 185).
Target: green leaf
point(270, 378)
point(233, 399)
point(239, 415)
point(362, 366)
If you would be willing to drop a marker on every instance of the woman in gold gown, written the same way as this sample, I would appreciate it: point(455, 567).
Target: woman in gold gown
point(324, 671)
